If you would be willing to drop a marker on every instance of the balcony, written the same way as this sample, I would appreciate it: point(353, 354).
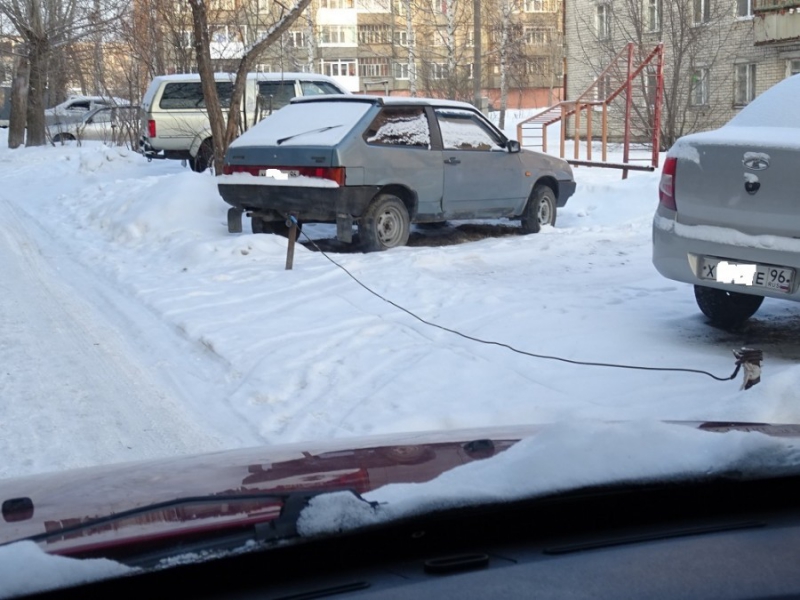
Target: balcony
point(774, 5)
point(776, 21)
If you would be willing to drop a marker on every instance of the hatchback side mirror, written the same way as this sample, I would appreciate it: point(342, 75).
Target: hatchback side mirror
point(513, 146)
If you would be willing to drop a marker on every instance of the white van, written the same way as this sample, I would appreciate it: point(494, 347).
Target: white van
point(175, 121)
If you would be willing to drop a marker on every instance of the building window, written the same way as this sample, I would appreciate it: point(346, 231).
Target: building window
point(744, 84)
point(701, 11)
point(744, 8)
point(470, 41)
point(373, 67)
point(373, 6)
point(337, 4)
point(401, 38)
point(793, 67)
point(699, 92)
point(337, 35)
point(340, 68)
point(374, 34)
point(400, 7)
point(296, 39)
point(263, 6)
point(537, 66)
point(602, 88)
point(439, 6)
point(536, 36)
point(400, 70)
point(652, 15)
point(468, 70)
point(439, 71)
point(603, 21)
point(539, 5)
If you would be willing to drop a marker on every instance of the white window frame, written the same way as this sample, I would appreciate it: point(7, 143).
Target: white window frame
point(602, 22)
point(400, 70)
point(337, 4)
point(373, 6)
point(536, 36)
point(652, 15)
point(702, 98)
point(744, 84)
point(401, 37)
point(792, 66)
point(326, 67)
point(538, 6)
point(439, 71)
point(338, 35)
point(295, 35)
point(704, 8)
point(748, 9)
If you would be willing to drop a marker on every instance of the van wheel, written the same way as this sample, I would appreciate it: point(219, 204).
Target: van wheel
point(540, 210)
point(63, 137)
point(385, 224)
point(204, 158)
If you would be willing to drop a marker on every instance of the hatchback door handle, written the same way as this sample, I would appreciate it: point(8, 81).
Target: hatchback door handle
point(452, 161)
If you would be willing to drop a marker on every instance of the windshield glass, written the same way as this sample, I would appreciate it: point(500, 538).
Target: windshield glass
point(229, 331)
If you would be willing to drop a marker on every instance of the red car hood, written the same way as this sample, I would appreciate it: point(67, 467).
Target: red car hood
point(48, 503)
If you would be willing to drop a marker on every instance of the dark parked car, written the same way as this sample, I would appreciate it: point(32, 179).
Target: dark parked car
point(384, 163)
point(727, 221)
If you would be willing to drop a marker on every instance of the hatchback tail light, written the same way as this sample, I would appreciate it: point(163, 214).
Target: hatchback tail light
point(335, 174)
point(666, 188)
point(151, 128)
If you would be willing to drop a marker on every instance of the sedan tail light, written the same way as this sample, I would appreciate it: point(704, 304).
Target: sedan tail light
point(666, 188)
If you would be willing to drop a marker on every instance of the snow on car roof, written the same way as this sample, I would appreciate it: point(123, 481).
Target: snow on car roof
point(387, 100)
point(180, 77)
point(776, 107)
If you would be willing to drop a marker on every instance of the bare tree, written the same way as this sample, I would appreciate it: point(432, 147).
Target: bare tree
point(45, 25)
point(224, 130)
point(694, 33)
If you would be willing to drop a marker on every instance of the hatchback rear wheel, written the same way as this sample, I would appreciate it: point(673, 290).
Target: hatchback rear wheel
point(724, 308)
point(385, 224)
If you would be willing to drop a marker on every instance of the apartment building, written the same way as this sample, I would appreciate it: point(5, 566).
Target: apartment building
point(367, 45)
point(719, 54)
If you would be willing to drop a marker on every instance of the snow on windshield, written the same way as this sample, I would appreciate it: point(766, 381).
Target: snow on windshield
point(313, 124)
point(564, 456)
point(27, 569)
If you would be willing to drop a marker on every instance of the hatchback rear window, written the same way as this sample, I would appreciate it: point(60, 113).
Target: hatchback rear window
point(190, 95)
point(318, 88)
point(319, 123)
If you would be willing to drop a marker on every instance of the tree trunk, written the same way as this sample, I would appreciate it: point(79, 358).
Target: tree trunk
point(19, 106)
point(36, 88)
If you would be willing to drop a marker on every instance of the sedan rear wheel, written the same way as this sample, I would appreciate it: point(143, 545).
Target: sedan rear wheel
point(540, 210)
point(385, 224)
point(724, 308)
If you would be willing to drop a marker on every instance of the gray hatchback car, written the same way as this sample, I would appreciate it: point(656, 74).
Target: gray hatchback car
point(383, 163)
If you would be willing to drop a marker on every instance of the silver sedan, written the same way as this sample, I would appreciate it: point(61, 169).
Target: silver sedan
point(728, 219)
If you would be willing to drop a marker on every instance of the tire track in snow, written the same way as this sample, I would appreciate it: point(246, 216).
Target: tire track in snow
point(72, 390)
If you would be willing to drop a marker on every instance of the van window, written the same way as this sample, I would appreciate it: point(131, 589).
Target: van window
point(276, 93)
point(318, 88)
point(190, 95)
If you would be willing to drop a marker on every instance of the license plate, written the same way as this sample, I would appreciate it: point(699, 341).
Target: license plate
point(747, 274)
point(278, 173)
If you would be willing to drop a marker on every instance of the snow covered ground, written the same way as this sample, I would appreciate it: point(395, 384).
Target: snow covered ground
point(136, 326)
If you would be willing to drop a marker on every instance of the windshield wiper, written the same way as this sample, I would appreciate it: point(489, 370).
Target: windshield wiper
point(320, 130)
point(280, 527)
